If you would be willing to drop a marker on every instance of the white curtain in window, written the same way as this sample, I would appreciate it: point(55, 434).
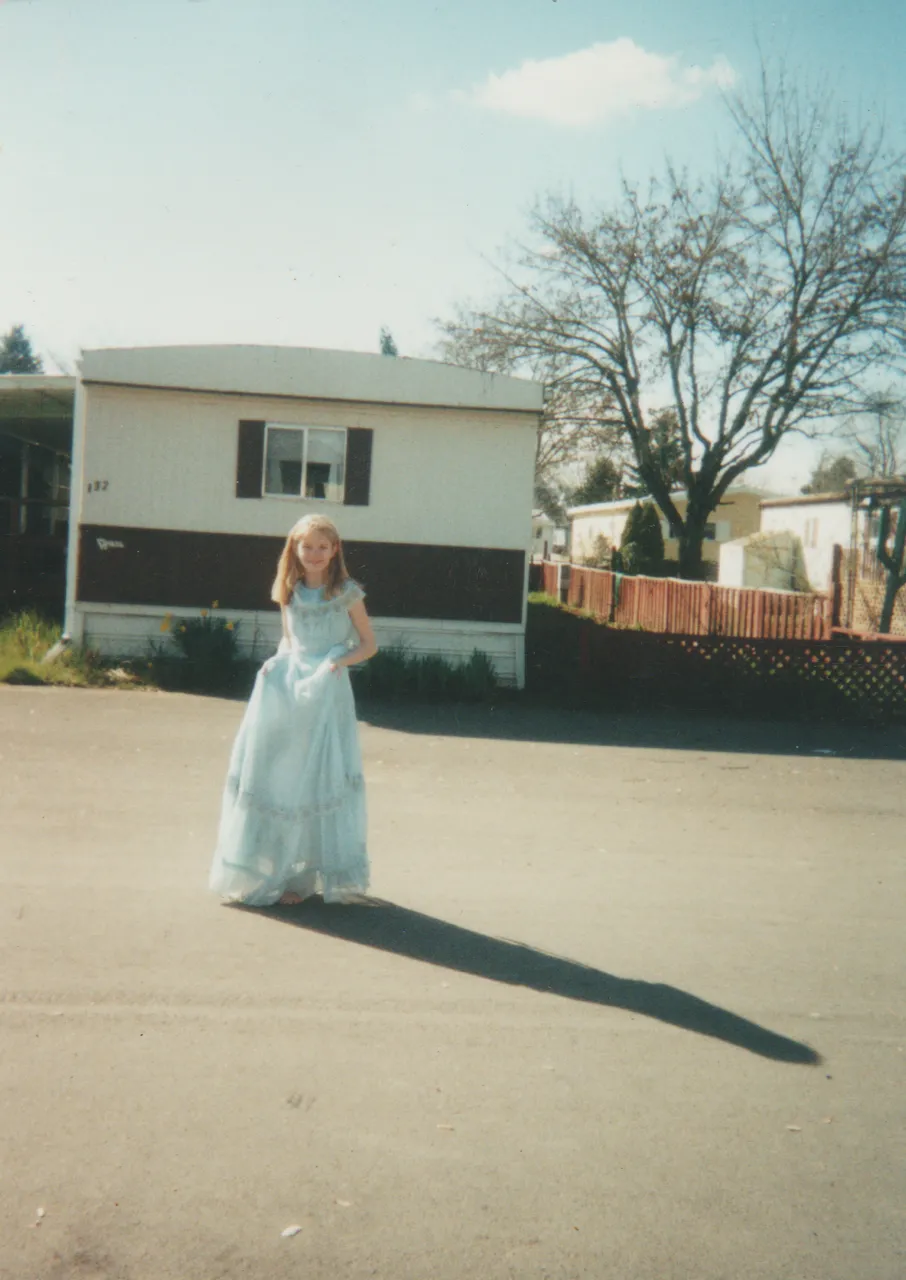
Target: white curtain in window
point(283, 466)
point(325, 464)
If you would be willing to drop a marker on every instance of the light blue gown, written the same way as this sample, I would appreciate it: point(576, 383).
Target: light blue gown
point(293, 812)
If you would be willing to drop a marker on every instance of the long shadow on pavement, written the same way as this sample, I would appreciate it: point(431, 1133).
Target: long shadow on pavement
point(372, 922)
point(521, 719)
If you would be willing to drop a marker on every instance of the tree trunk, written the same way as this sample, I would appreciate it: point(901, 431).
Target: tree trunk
point(691, 560)
point(890, 598)
point(893, 563)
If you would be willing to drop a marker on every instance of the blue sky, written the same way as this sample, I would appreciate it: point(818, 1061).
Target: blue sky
point(282, 171)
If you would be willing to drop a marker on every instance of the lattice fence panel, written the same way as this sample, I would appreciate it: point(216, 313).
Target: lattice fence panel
point(863, 676)
point(584, 661)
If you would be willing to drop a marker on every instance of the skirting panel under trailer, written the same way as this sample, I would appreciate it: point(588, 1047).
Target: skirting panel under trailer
point(130, 631)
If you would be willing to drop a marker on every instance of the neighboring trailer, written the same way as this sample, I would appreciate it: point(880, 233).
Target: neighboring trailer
point(820, 521)
point(190, 464)
point(736, 515)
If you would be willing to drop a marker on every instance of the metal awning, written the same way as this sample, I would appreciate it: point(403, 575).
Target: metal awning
point(38, 407)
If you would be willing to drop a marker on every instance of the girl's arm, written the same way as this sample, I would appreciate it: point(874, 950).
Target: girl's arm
point(286, 643)
point(367, 646)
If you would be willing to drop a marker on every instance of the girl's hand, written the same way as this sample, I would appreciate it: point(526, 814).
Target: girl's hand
point(336, 666)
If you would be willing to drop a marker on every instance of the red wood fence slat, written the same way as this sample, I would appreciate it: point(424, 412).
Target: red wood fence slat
point(550, 578)
point(674, 607)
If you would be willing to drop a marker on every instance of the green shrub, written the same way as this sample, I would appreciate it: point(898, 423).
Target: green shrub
point(642, 543)
point(479, 679)
point(206, 653)
point(392, 670)
point(397, 672)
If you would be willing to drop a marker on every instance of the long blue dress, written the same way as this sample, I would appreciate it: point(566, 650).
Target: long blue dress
point(293, 811)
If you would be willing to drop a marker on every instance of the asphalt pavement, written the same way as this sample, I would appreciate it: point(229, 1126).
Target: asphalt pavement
point(626, 1001)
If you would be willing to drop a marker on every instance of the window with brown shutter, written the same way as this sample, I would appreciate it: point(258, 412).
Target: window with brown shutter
point(358, 466)
point(249, 459)
point(289, 459)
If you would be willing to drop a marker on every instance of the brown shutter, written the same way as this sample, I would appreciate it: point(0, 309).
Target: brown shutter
point(358, 466)
point(249, 459)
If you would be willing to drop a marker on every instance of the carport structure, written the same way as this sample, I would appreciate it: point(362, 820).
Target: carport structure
point(36, 415)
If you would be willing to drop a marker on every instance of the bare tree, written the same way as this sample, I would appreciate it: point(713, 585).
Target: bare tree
point(879, 435)
point(755, 303)
point(576, 420)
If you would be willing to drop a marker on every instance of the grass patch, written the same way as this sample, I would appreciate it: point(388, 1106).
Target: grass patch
point(542, 597)
point(199, 656)
point(26, 639)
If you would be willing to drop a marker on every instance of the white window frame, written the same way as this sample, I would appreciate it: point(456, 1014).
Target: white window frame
point(304, 427)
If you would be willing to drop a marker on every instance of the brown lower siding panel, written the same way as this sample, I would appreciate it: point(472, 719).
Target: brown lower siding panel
point(175, 567)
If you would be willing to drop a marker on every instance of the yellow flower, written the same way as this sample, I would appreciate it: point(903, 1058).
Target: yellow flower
point(204, 613)
point(183, 627)
point(165, 625)
point(229, 626)
point(215, 604)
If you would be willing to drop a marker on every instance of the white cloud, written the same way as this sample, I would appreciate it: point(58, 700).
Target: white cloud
point(596, 84)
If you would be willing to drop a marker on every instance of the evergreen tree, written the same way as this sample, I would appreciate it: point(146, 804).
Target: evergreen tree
point(665, 442)
point(600, 483)
point(16, 355)
point(388, 346)
point(642, 543)
point(831, 474)
point(550, 499)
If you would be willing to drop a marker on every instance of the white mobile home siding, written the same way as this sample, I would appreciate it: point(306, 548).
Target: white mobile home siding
point(820, 526)
point(157, 460)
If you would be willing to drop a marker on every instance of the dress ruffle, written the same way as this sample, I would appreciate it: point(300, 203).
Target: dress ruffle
point(295, 813)
point(348, 594)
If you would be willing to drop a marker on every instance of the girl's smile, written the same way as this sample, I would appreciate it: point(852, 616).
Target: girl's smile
point(315, 552)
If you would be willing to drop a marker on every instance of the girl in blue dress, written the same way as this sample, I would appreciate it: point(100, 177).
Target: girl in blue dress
point(293, 814)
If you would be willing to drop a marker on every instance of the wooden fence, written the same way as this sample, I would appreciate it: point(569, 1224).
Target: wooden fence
point(547, 577)
point(577, 661)
point(674, 607)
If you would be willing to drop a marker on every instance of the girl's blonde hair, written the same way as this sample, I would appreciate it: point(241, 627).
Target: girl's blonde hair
point(289, 566)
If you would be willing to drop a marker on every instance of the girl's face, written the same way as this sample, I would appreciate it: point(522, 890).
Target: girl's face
point(315, 551)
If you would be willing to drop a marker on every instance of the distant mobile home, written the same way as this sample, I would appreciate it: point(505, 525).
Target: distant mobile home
point(820, 521)
point(190, 464)
point(736, 515)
